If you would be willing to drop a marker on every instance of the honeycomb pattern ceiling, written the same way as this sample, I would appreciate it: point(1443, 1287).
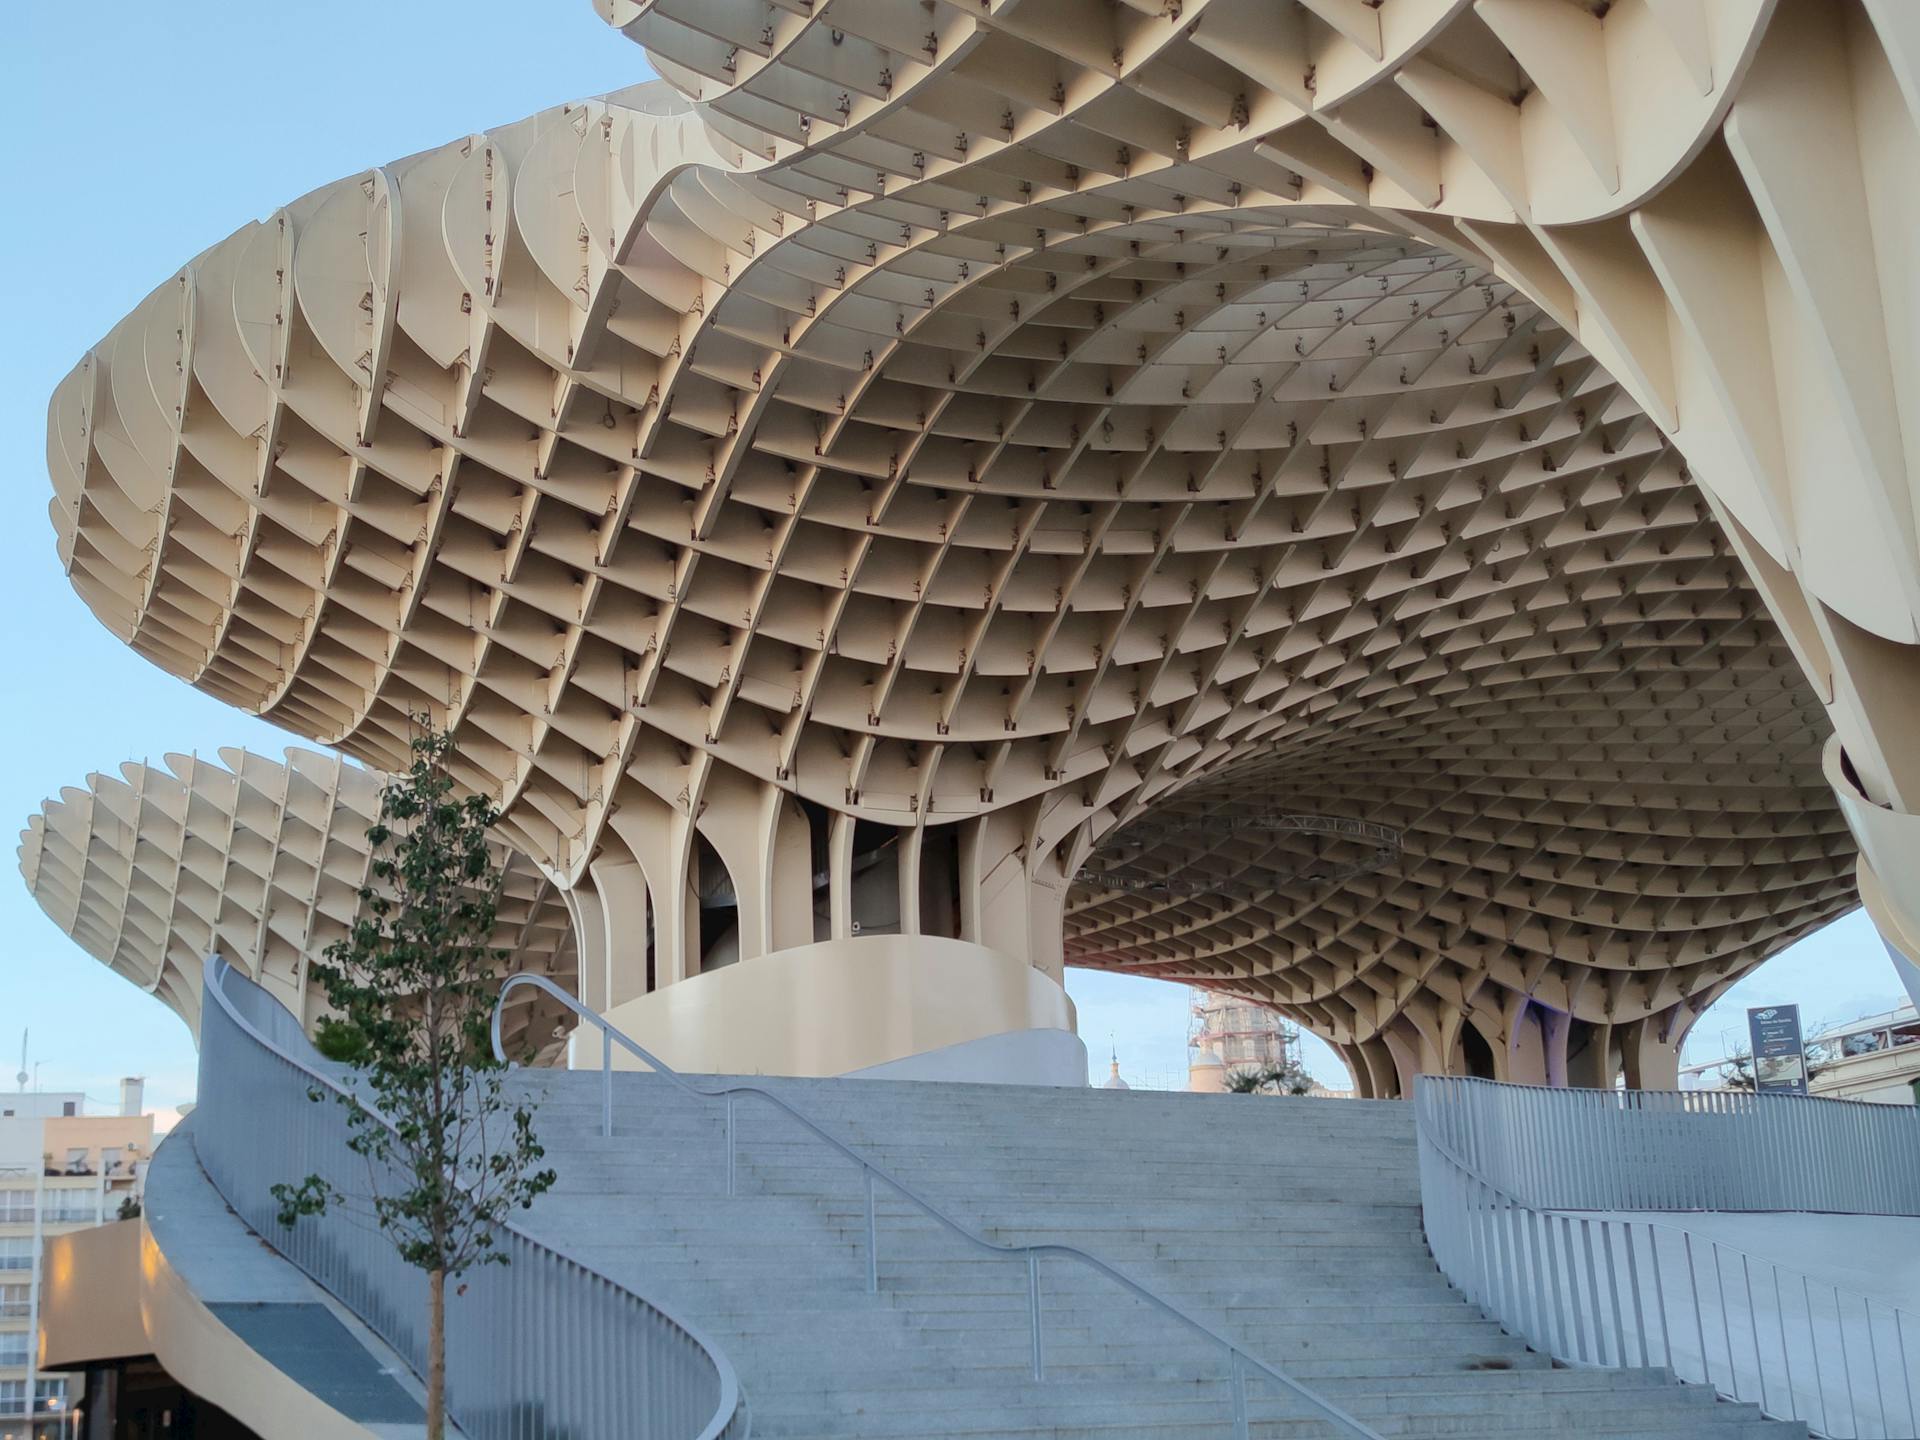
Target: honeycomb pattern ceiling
point(152, 870)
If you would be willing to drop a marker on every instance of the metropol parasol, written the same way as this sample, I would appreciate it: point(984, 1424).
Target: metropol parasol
point(1403, 511)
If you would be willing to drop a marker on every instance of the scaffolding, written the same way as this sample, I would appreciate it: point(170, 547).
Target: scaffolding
point(1238, 1033)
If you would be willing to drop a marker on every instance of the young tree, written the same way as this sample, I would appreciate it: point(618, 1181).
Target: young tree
point(448, 1154)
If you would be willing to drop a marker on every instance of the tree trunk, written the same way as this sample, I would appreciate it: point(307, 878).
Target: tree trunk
point(436, 1355)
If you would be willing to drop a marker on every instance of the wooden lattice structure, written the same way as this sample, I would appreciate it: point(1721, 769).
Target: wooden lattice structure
point(999, 424)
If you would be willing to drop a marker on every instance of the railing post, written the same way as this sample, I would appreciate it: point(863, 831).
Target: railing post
point(1813, 1345)
point(1699, 1324)
point(1726, 1321)
point(606, 1087)
point(730, 1150)
point(1786, 1356)
point(1846, 1362)
point(1906, 1374)
point(1660, 1295)
point(1873, 1353)
point(1238, 1380)
point(1033, 1313)
point(873, 1254)
point(1633, 1289)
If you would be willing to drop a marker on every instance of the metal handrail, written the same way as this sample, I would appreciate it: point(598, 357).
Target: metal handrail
point(1238, 1359)
point(607, 1418)
point(1533, 1284)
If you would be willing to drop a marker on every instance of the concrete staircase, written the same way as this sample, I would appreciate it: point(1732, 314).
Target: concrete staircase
point(1291, 1225)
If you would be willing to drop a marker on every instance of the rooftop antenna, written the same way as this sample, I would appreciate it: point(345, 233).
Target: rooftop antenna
point(22, 1076)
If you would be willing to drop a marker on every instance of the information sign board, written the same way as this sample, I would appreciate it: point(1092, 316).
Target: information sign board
point(1779, 1057)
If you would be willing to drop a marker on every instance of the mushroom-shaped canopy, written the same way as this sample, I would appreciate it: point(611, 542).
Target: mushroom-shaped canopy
point(260, 860)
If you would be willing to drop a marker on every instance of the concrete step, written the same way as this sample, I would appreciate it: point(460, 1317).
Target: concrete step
point(1087, 1416)
point(1201, 1403)
point(1163, 1345)
point(917, 1235)
point(1343, 1390)
point(1291, 1226)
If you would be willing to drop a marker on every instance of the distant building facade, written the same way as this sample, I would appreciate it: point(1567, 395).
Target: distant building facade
point(61, 1170)
point(1875, 1058)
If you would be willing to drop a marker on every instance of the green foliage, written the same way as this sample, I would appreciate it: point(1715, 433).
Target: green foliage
point(340, 1041)
point(129, 1208)
point(412, 989)
point(1286, 1078)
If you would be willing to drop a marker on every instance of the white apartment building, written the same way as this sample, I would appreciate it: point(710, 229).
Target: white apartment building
point(61, 1169)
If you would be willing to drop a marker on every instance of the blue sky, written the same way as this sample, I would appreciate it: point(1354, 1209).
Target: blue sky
point(144, 133)
point(141, 135)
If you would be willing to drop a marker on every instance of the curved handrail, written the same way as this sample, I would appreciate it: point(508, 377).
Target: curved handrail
point(1510, 1268)
point(293, 1049)
point(1237, 1357)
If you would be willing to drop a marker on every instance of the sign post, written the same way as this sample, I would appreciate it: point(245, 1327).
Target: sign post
point(1779, 1056)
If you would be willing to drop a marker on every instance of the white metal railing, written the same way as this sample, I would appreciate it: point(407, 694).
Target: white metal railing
point(1557, 1149)
point(1237, 1363)
point(544, 1345)
point(1501, 1165)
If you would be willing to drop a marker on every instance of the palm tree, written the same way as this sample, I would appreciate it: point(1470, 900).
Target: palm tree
point(1287, 1077)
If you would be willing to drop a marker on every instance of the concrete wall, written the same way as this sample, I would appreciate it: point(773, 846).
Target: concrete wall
point(90, 1300)
point(850, 1005)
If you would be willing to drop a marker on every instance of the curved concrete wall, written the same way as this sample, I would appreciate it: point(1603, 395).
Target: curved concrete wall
point(90, 1300)
point(162, 1285)
point(845, 1005)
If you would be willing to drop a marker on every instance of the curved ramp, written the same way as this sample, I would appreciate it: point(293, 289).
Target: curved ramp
point(229, 1319)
